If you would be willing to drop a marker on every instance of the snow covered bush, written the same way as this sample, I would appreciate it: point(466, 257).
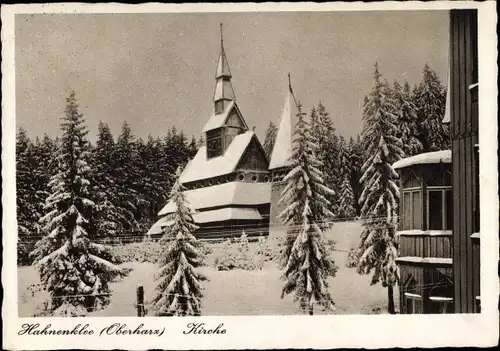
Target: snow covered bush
point(264, 250)
point(74, 271)
point(178, 289)
point(352, 258)
point(305, 198)
point(238, 256)
point(147, 251)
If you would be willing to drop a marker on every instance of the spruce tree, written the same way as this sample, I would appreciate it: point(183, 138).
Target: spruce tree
point(356, 152)
point(327, 151)
point(407, 120)
point(74, 270)
point(346, 207)
point(270, 139)
point(29, 194)
point(109, 217)
point(430, 101)
point(178, 289)
point(307, 264)
point(378, 246)
point(127, 178)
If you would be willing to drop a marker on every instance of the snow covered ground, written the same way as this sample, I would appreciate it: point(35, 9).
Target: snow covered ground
point(240, 292)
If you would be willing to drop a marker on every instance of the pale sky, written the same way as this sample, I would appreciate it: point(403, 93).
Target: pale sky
point(157, 70)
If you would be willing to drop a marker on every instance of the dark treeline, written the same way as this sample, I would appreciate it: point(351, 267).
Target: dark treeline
point(130, 179)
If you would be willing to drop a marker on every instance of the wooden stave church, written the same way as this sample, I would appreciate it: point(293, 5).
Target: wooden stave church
point(228, 182)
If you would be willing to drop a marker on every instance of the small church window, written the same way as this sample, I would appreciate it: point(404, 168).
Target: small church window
point(241, 177)
point(219, 107)
point(214, 147)
point(266, 179)
point(254, 178)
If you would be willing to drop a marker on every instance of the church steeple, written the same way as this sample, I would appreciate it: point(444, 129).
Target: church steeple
point(224, 92)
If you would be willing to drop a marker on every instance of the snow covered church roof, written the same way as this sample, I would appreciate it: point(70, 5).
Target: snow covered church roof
point(443, 156)
point(282, 151)
point(219, 215)
point(218, 120)
point(227, 194)
point(202, 168)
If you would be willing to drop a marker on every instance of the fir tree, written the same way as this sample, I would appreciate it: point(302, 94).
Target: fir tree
point(378, 245)
point(110, 218)
point(178, 284)
point(74, 270)
point(270, 139)
point(192, 148)
point(407, 120)
point(307, 262)
point(356, 151)
point(29, 198)
point(127, 178)
point(327, 151)
point(430, 100)
point(346, 207)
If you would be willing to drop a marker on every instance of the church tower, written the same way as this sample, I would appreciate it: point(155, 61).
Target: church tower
point(228, 181)
point(227, 121)
point(280, 164)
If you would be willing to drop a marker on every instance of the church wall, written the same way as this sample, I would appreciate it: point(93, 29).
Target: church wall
point(276, 208)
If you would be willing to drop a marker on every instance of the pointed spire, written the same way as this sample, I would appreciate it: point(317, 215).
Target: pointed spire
point(222, 65)
point(224, 92)
point(282, 149)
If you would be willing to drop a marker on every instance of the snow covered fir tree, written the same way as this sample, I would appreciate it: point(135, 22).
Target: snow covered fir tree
point(345, 207)
point(178, 289)
point(378, 247)
point(307, 262)
point(75, 271)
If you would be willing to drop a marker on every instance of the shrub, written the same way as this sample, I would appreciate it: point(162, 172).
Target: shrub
point(147, 251)
point(237, 256)
point(352, 258)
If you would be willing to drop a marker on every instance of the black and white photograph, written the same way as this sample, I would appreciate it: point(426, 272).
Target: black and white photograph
point(248, 163)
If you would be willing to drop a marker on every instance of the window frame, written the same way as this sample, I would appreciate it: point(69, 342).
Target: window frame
point(444, 220)
point(411, 191)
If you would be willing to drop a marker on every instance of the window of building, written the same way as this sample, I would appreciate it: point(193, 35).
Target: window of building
point(412, 210)
point(440, 209)
point(266, 179)
point(219, 107)
point(254, 178)
point(441, 295)
point(241, 177)
point(214, 147)
point(413, 303)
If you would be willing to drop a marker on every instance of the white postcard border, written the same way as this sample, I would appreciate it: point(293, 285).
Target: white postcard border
point(258, 332)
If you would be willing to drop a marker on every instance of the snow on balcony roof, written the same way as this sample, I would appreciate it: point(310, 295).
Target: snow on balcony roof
point(202, 168)
point(218, 120)
point(227, 194)
point(225, 214)
point(443, 156)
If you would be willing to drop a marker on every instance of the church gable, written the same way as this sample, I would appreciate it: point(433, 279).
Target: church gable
point(254, 157)
point(235, 119)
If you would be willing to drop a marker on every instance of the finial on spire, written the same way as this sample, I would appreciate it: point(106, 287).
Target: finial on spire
point(221, 36)
point(291, 91)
